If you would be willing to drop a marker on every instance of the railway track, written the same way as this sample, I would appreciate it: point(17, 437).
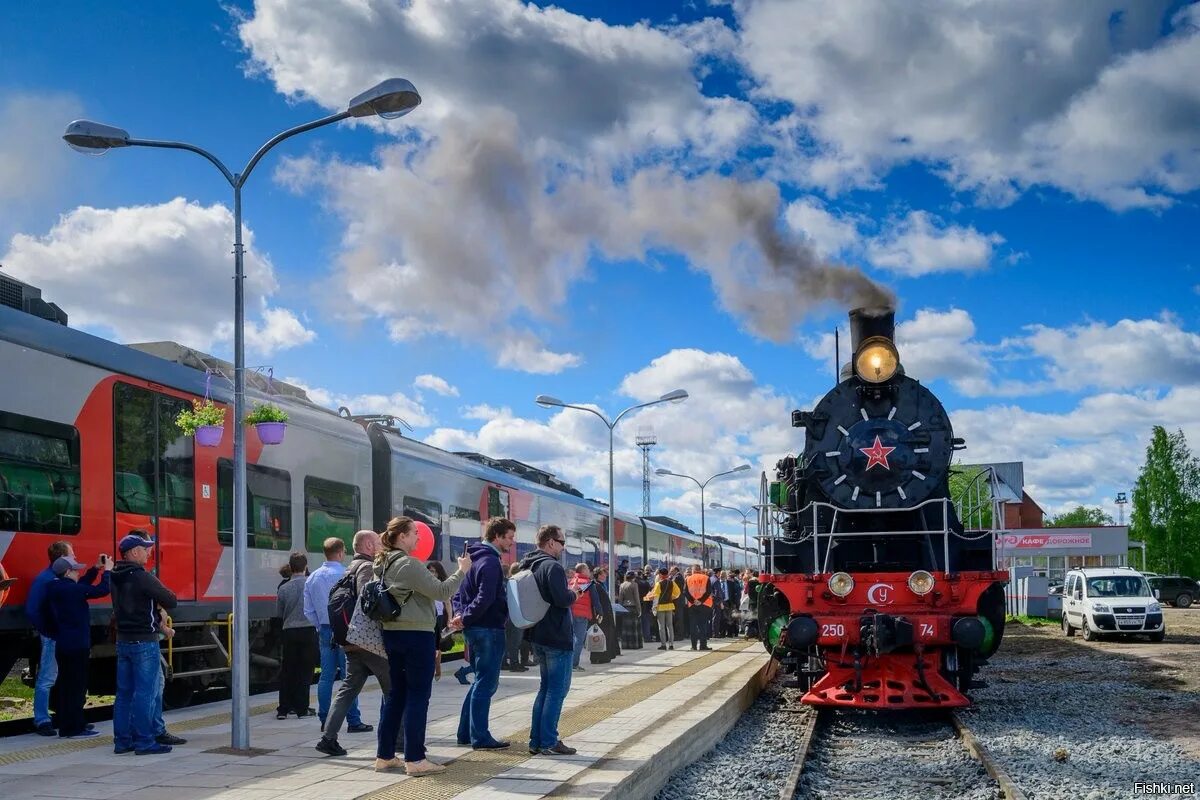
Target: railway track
point(841, 754)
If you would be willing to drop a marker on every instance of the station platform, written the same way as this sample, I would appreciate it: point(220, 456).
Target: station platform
point(634, 721)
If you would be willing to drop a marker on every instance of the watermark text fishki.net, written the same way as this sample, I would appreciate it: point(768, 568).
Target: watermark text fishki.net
point(1160, 787)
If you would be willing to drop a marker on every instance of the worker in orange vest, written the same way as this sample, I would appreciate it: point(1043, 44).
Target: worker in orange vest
point(700, 604)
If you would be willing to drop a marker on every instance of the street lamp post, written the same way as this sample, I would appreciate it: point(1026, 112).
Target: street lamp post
point(745, 521)
point(392, 98)
point(703, 537)
point(546, 401)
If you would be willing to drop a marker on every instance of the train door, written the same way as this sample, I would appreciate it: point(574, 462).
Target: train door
point(153, 481)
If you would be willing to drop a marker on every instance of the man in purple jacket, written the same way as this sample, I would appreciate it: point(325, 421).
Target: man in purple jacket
point(482, 607)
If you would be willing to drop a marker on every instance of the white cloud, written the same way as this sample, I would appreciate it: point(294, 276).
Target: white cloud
point(917, 246)
point(831, 234)
point(162, 271)
point(569, 79)
point(398, 404)
point(998, 95)
point(525, 353)
point(435, 384)
point(484, 412)
point(1128, 353)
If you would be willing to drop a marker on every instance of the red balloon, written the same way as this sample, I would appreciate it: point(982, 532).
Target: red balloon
point(424, 548)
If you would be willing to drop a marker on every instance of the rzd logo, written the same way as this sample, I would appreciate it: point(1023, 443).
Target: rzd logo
point(880, 594)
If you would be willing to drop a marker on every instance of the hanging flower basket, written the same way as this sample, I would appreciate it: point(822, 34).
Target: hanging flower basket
point(205, 421)
point(209, 435)
point(269, 422)
point(271, 432)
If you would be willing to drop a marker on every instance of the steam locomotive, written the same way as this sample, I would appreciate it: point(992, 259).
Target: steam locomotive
point(875, 596)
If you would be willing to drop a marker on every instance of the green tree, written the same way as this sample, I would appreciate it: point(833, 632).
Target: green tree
point(971, 492)
point(1080, 517)
point(1166, 504)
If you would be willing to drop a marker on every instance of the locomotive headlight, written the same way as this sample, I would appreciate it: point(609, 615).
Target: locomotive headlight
point(841, 584)
point(920, 582)
point(876, 360)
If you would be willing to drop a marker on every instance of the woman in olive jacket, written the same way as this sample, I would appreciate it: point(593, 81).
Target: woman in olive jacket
point(410, 644)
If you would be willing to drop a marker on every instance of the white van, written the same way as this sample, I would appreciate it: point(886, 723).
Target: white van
point(1109, 600)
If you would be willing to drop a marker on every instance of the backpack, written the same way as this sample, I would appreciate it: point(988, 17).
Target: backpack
point(526, 605)
point(342, 598)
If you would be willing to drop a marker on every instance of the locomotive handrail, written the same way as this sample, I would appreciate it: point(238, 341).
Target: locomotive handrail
point(817, 534)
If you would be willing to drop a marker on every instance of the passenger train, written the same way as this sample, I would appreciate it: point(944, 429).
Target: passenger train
point(89, 450)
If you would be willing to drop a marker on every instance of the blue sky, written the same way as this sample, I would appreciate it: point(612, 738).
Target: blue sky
point(572, 211)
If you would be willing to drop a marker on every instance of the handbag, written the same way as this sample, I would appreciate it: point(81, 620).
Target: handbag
point(365, 632)
point(377, 601)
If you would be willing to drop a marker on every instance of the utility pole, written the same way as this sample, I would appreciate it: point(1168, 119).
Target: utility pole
point(645, 440)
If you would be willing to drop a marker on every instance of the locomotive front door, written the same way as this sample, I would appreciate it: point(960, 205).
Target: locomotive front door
point(153, 485)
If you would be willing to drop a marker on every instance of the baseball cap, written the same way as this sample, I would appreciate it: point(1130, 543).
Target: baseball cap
point(134, 540)
point(64, 564)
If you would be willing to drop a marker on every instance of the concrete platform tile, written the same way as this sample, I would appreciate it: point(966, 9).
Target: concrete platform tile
point(335, 790)
point(82, 791)
point(506, 789)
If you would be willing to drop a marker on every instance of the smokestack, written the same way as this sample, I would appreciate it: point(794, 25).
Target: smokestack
point(871, 321)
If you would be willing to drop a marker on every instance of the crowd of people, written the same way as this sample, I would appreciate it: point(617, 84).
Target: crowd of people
point(401, 649)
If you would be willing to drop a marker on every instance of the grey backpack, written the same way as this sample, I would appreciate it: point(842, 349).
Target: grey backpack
point(526, 606)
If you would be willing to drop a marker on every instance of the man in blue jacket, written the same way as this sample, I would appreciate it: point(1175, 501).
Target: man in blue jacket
point(67, 615)
point(47, 672)
point(552, 638)
point(481, 605)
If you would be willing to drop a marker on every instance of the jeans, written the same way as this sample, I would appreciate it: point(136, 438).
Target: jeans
point(360, 665)
point(138, 674)
point(555, 668)
point(486, 646)
point(46, 676)
point(158, 723)
point(410, 667)
point(647, 618)
point(579, 626)
point(512, 643)
point(333, 659)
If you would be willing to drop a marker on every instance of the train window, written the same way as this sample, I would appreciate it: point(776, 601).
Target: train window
point(497, 502)
point(39, 475)
point(331, 509)
point(268, 506)
point(464, 528)
point(152, 459)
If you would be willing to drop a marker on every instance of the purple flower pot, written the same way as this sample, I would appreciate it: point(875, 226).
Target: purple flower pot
point(209, 435)
point(270, 432)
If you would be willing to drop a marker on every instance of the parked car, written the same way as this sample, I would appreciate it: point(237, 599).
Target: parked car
point(1177, 590)
point(1110, 600)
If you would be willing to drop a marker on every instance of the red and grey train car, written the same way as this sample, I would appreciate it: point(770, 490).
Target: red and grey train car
point(89, 450)
point(877, 597)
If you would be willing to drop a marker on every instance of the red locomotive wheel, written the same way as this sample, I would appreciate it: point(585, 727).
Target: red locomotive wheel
point(424, 548)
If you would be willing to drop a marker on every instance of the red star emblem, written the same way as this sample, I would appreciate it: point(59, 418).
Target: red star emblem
point(876, 454)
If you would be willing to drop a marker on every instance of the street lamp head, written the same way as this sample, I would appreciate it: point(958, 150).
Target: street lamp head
point(546, 401)
point(677, 396)
point(391, 99)
point(741, 468)
point(661, 471)
point(94, 138)
point(715, 505)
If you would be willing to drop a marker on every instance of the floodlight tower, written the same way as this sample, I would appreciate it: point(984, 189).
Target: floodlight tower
point(645, 440)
